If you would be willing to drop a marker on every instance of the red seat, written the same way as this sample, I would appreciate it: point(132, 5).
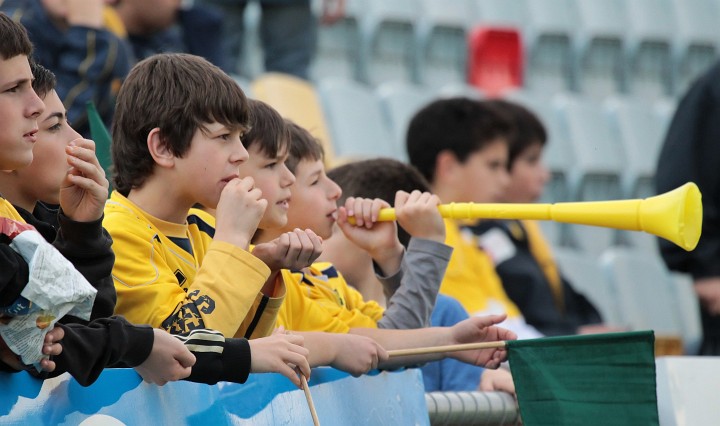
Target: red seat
point(495, 59)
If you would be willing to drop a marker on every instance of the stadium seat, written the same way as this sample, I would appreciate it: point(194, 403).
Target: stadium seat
point(337, 55)
point(356, 121)
point(640, 131)
point(297, 100)
point(399, 103)
point(646, 293)
point(549, 45)
point(697, 39)
point(460, 89)
point(441, 42)
point(598, 156)
point(599, 45)
point(587, 278)
point(501, 13)
point(649, 43)
point(495, 59)
point(387, 41)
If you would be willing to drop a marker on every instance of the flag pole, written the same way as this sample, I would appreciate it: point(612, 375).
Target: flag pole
point(447, 348)
point(308, 397)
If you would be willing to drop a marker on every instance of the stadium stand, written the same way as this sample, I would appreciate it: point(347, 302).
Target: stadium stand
point(400, 102)
point(297, 100)
point(356, 121)
point(441, 42)
point(599, 46)
point(649, 47)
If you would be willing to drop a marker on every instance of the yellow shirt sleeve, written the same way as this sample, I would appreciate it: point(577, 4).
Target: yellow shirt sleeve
point(159, 284)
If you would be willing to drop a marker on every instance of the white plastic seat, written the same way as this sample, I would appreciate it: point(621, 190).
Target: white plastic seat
point(640, 130)
point(441, 42)
point(549, 45)
point(587, 278)
point(649, 44)
point(697, 39)
point(646, 292)
point(337, 55)
point(387, 41)
point(600, 60)
point(399, 104)
point(355, 119)
point(598, 155)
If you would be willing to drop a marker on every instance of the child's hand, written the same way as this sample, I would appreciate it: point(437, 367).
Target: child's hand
point(292, 250)
point(480, 329)
point(239, 211)
point(379, 239)
point(497, 380)
point(357, 354)
point(169, 360)
point(418, 214)
point(51, 347)
point(85, 189)
point(280, 353)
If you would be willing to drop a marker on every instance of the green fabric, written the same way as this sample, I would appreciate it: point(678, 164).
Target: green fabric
point(601, 379)
point(100, 135)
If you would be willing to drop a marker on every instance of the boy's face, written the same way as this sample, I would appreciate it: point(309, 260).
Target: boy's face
point(44, 176)
point(314, 199)
point(528, 176)
point(214, 158)
point(274, 179)
point(483, 177)
point(19, 110)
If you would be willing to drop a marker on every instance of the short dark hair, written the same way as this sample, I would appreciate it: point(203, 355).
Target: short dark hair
point(177, 93)
point(378, 178)
point(527, 127)
point(43, 79)
point(303, 146)
point(267, 128)
point(15, 39)
point(459, 125)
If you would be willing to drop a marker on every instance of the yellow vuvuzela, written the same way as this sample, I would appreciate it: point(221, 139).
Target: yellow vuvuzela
point(675, 215)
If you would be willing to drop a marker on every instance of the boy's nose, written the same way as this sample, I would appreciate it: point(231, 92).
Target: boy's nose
point(35, 105)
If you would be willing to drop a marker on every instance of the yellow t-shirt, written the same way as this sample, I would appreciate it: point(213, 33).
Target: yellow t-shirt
point(471, 276)
point(319, 299)
point(176, 277)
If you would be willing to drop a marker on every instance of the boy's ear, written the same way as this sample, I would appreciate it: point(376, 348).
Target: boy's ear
point(445, 165)
point(159, 149)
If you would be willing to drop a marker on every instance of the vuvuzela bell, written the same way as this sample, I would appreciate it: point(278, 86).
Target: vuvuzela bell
point(675, 215)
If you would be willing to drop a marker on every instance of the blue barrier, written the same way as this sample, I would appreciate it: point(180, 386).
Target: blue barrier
point(395, 398)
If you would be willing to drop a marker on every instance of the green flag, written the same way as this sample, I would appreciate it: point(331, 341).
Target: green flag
point(601, 379)
point(100, 135)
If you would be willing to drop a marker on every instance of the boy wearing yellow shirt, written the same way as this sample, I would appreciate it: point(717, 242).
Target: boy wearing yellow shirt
point(460, 146)
point(319, 299)
point(177, 142)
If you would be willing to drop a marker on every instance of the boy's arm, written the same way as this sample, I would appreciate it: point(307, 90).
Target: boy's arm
point(347, 352)
point(220, 296)
point(89, 248)
point(88, 349)
point(81, 238)
point(472, 330)
point(423, 268)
